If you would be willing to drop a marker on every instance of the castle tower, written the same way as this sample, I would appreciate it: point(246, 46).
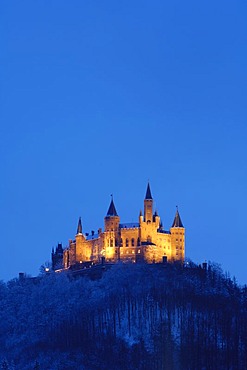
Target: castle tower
point(148, 206)
point(79, 251)
point(112, 219)
point(111, 234)
point(177, 238)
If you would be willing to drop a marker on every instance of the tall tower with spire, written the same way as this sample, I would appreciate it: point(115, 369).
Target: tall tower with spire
point(112, 240)
point(177, 237)
point(148, 205)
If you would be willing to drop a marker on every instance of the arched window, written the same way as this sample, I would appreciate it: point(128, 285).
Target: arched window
point(132, 242)
point(111, 242)
point(127, 242)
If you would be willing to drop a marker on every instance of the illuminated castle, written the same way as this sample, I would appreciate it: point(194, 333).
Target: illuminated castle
point(127, 242)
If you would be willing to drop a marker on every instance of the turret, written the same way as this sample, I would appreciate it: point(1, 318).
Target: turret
point(156, 219)
point(140, 217)
point(112, 219)
point(177, 238)
point(77, 248)
point(148, 206)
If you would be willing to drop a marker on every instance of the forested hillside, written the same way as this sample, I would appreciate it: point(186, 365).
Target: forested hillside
point(133, 317)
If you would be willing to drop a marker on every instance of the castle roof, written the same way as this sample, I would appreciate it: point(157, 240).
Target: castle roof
point(177, 220)
point(79, 227)
point(148, 193)
point(112, 210)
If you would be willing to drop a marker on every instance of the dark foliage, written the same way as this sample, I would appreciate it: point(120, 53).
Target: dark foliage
point(134, 317)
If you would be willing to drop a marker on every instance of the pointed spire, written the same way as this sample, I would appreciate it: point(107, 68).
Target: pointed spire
point(79, 227)
point(140, 214)
point(112, 210)
point(177, 220)
point(148, 192)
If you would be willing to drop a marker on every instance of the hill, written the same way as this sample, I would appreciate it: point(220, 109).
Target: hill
point(133, 317)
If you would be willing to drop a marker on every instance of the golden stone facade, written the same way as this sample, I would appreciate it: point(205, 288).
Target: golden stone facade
point(130, 242)
point(143, 241)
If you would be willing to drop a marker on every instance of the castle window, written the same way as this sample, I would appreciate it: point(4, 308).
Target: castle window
point(111, 242)
point(133, 242)
point(121, 242)
point(133, 251)
point(139, 251)
point(127, 242)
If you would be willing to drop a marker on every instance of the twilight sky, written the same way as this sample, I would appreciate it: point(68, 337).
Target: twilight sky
point(97, 97)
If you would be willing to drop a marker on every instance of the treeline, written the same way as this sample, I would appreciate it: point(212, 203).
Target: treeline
point(147, 317)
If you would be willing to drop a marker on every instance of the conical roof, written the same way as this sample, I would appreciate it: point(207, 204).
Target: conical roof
point(112, 210)
point(79, 227)
point(177, 220)
point(148, 192)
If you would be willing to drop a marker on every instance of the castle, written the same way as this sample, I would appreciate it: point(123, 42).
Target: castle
point(127, 242)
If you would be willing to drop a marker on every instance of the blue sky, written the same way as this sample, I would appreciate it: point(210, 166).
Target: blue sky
point(97, 97)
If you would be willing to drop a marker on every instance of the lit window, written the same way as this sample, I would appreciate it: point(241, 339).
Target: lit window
point(139, 251)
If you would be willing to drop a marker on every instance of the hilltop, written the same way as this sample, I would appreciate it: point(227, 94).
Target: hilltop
point(136, 316)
